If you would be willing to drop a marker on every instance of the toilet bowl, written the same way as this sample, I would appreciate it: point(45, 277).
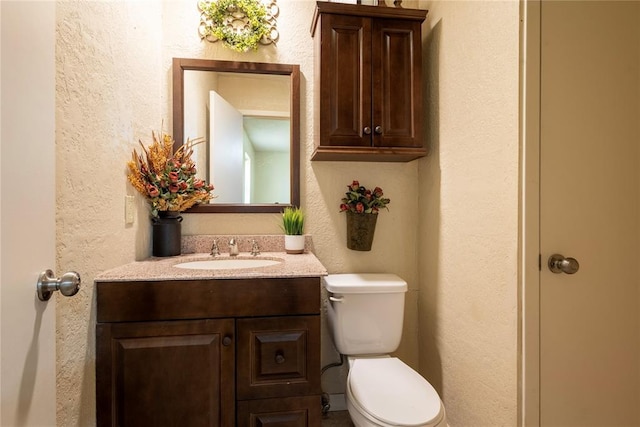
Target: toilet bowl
point(365, 315)
point(385, 392)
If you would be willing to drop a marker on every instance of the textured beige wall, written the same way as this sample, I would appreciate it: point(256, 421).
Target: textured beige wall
point(113, 87)
point(468, 211)
point(110, 90)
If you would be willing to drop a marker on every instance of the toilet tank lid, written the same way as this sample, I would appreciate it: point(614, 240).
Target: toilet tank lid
point(361, 283)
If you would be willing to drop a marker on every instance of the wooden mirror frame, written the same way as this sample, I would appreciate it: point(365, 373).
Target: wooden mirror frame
point(291, 70)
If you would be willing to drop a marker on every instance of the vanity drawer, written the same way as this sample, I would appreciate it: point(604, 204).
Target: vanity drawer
point(278, 357)
point(290, 411)
point(141, 301)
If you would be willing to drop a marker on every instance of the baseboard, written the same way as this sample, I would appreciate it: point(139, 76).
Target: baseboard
point(338, 402)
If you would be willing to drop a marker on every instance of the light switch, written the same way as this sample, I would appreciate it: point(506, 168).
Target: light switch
point(129, 209)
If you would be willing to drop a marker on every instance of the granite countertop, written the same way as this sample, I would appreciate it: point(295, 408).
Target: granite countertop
point(193, 248)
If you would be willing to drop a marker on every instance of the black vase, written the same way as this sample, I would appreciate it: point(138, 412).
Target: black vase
point(167, 234)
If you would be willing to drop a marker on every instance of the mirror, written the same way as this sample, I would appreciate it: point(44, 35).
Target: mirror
point(248, 114)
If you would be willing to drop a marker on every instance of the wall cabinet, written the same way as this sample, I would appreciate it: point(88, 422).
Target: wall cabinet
point(368, 83)
point(208, 353)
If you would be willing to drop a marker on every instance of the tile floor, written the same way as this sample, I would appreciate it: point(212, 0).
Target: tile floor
point(337, 419)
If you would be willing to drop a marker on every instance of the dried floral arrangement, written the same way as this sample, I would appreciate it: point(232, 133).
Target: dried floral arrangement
point(358, 199)
point(167, 178)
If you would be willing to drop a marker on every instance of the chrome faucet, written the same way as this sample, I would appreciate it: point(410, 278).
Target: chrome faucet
point(255, 250)
point(233, 247)
point(214, 248)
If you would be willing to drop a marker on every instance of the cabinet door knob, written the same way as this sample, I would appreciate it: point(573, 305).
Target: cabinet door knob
point(226, 341)
point(378, 130)
point(367, 130)
point(280, 358)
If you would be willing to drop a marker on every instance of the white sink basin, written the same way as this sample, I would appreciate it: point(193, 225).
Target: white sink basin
point(227, 264)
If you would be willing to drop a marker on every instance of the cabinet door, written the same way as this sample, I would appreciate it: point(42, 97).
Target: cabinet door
point(397, 88)
point(345, 92)
point(178, 373)
point(278, 357)
point(282, 412)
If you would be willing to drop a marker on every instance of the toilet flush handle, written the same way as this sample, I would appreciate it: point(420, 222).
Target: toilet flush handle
point(336, 299)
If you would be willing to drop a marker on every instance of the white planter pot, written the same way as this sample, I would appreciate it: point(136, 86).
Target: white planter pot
point(293, 244)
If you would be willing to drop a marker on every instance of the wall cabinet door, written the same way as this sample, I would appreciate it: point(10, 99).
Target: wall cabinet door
point(369, 78)
point(345, 85)
point(397, 84)
point(166, 373)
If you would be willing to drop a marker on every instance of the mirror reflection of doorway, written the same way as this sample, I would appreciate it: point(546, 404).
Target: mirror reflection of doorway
point(268, 137)
point(248, 154)
point(248, 177)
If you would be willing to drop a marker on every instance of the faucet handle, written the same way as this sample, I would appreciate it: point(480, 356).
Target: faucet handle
point(255, 249)
point(214, 248)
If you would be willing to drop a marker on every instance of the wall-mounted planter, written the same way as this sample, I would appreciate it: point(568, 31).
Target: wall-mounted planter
point(360, 230)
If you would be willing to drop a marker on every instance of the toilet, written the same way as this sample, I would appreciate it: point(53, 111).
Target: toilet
point(365, 315)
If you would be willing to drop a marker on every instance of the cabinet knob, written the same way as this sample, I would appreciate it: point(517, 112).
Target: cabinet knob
point(226, 341)
point(378, 130)
point(280, 358)
point(367, 130)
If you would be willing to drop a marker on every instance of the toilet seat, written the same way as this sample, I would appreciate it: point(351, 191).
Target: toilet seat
point(387, 391)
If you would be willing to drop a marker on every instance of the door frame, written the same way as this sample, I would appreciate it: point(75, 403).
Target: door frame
point(529, 215)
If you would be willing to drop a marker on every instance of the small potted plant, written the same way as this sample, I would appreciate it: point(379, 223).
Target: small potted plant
point(362, 206)
point(293, 226)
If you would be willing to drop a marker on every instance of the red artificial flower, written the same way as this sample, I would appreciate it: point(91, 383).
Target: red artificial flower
point(361, 200)
point(152, 190)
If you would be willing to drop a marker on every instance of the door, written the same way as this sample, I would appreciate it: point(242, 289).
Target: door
point(226, 155)
point(27, 233)
point(589, 210)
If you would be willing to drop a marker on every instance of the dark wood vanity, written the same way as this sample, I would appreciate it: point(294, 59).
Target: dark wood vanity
point(220, 352)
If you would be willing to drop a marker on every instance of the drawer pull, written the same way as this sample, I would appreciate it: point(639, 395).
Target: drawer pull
point(280, 358)
point(226, 341)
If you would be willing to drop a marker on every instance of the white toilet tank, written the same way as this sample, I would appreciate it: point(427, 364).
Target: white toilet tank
point(365, 312)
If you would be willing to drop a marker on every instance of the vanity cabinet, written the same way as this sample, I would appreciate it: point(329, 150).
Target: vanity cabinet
point(368, 82)
point(225, 352)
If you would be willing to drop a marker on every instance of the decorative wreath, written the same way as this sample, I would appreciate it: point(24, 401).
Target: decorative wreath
point(240, 24)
